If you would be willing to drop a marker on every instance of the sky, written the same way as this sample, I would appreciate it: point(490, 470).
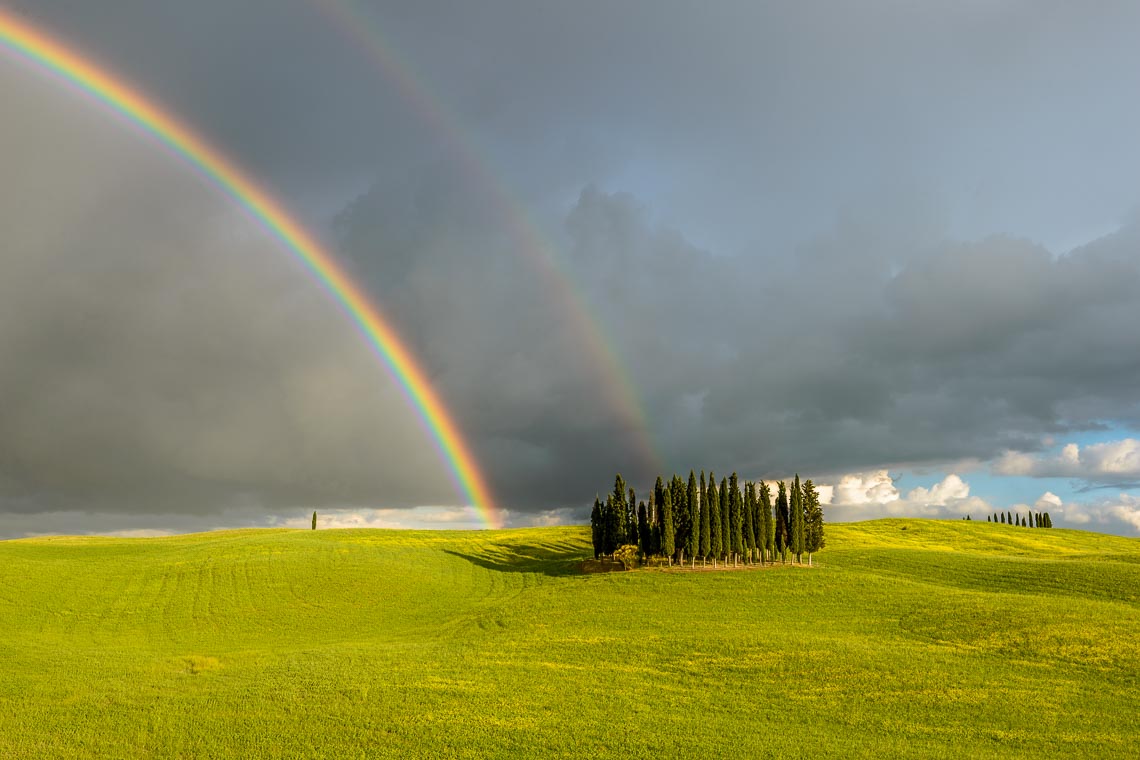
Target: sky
point(893, 247)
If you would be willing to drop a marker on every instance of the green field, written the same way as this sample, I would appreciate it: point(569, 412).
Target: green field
point(909, 638)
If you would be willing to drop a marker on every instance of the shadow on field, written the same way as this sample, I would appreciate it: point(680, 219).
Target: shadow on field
point(523, 558)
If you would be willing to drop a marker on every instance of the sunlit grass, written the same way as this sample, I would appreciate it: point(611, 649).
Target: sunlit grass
point(946, 639)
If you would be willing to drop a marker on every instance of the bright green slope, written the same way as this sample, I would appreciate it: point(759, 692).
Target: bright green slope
point(910, 638)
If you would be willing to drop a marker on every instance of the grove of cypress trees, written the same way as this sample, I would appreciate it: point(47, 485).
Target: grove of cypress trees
point(725, 520)
point(716, 542)
point(782, 521)
point(736, 516)
point(796, 514)
point(749, 514)
point(667, 534)
point(705, 519)
point(693, 538)
point(813, 520)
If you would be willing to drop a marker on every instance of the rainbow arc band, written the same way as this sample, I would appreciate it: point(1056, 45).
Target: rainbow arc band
point(47, 53)
point(362, 30)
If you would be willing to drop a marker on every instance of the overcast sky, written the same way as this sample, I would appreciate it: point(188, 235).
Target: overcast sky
point(891, 246)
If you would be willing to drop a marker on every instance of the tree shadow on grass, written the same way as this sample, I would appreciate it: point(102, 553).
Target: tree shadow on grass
point(523, 558)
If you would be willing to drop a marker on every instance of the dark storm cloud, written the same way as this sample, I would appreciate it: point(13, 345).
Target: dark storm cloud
point(830, 237)
point(161, 354)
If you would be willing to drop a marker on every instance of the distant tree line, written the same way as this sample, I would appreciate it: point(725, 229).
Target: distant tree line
point(1034, 520)
point(699, 520)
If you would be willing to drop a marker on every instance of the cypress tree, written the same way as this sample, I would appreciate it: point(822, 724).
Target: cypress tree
point(596, 529)
point(634, 536)
point(749, 515)
point(632, 531)
point(782, 521)
point(680, 515)
point(736, 516)
point(987, 518)
point(621, 512)
point(667, 535)
point(314, 519)
point(693, 538)
point(725, 520)
point(1048, 521)
point(1009, 518)
point(813, 520)
point(611, 519)
point(768, 522)
point(797, 520)
point(716, 540)
point(642, 530)
point(1003, 518)
point(659, 521)
point(705, 519)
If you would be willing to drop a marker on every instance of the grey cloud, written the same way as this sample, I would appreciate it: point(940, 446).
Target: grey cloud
point(162, 354)
point(827, 238)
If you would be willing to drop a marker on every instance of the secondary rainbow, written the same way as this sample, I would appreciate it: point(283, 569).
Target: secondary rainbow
point(359, 27)
point(33, 45)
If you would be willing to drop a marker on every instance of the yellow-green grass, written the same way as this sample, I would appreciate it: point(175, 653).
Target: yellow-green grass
point(909, 638)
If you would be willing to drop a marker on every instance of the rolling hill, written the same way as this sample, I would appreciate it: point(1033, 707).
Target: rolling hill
point(909, 638)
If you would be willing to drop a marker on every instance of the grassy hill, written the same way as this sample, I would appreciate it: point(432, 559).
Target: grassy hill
point(909, 638)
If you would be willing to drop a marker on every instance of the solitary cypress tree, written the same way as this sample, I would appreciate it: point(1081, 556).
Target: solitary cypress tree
point(693, 538)
point(782, 521)
point(597, 530)
point(667, 535)
point(749, 515)
point(314, 519)
point(705, 519)
point(642, 529)
point(716, 541)
point(725, 520)
point(813, 520)
point(797, 520)
point(736, 516)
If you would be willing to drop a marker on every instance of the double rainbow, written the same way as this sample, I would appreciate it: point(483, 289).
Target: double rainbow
point(33, 45)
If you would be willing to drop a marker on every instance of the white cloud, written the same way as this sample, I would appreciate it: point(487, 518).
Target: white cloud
point(1110, 460)
point(867, 495)
point(951, 488)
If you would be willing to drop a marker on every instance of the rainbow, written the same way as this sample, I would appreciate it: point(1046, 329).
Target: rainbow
point(360, 28)
point(32, 45)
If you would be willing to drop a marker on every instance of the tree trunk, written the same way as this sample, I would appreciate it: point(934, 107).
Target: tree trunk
point(809, 559)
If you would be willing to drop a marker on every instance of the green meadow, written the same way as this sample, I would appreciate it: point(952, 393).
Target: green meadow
point(908, 638)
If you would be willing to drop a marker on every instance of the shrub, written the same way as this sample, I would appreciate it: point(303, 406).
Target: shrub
point(627, 555)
